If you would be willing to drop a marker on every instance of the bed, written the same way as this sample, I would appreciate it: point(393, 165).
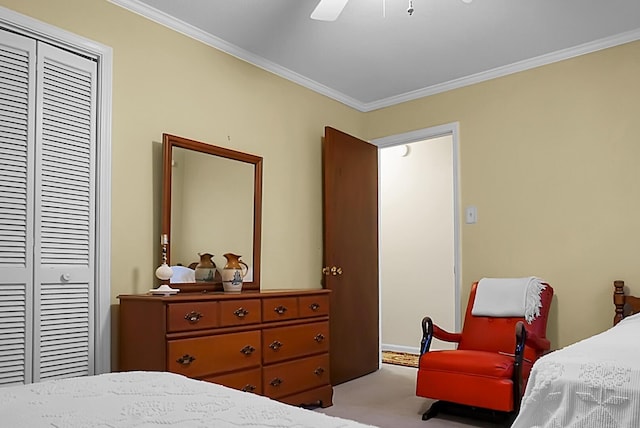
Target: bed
point(146, 400)
point(592, 383)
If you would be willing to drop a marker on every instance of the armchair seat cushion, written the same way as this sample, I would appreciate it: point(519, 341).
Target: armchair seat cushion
point(473, 378)
point(469, 362)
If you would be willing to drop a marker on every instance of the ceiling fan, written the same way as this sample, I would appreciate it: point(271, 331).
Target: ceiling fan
point(329, 10)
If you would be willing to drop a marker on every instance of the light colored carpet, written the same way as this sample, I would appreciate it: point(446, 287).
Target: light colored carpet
point(387, 399)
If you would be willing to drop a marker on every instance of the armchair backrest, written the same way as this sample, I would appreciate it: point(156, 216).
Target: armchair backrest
point(493, 334)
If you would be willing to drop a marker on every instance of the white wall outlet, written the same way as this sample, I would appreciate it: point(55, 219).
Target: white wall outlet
point(471, 214)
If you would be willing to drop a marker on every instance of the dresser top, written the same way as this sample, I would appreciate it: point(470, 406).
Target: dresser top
point(221, 295)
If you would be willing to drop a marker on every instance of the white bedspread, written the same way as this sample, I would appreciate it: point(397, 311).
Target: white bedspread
point(594, 383)
point(148, 399)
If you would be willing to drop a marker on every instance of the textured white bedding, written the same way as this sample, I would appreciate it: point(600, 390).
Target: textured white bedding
point(149, 399)
point(594, 383)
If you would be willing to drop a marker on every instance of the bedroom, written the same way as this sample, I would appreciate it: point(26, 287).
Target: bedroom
point(547, 155)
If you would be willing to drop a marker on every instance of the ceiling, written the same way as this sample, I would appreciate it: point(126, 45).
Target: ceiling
point(376, 55)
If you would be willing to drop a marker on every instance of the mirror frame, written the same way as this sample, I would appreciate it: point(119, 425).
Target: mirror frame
point(171, 141)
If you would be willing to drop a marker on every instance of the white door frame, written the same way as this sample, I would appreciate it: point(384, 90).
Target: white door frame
point(451, 129)
point(28, 26)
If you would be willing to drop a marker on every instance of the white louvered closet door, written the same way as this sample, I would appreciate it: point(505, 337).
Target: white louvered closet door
point(64, 214)
point(56, 278)
point(17, 147)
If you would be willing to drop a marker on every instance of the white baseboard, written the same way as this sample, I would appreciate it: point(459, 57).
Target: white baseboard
point(401, 348)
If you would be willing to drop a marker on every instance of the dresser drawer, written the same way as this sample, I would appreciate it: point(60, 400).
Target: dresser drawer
point(295, 376)
point(245, 380)
point(279, 308)
point(240, 312)
point(312, 306)
point(283, 343)
point(192, 316)
point(208, 355)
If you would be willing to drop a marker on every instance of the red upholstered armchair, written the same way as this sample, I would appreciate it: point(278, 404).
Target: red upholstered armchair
point(491, 365)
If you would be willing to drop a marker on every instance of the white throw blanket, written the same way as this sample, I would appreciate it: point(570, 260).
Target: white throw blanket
point(509, 297)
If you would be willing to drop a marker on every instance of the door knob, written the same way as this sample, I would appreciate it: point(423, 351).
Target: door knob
point(333, 270)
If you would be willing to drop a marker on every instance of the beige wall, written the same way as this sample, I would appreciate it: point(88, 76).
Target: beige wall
point(549, 157)
point(167, 82)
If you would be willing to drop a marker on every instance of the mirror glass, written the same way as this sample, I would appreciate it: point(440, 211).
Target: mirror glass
point(211, 205)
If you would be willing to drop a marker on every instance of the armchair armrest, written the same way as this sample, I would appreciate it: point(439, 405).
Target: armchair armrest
point(524, 337)
point(430, 330)
point(540, 344)
point(518, 381)
point(445, 335)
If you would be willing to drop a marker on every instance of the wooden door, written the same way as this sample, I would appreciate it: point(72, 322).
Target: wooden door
point(350, 197)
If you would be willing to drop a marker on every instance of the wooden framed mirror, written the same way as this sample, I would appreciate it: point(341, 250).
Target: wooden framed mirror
point(211, 203)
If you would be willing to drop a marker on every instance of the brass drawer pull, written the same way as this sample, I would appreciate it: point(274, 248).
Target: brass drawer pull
point(241, 312)
point(319, 337)
point(193, 317)
point(276, 382)
point(248, 388)
point(275, 345)
point(280, 309)
point(248, 350)
point(186, 359)
point(314, 306)
point(318, 371)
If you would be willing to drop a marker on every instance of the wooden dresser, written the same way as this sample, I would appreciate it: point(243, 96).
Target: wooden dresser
point(273, 343)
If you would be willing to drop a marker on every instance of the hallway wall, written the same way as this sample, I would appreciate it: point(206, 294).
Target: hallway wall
point(416, 241)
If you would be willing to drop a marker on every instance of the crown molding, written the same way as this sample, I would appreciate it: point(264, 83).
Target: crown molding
point(233, 50)
point(516, 67)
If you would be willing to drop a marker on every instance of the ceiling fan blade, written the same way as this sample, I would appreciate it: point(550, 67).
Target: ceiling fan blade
point(328, 10)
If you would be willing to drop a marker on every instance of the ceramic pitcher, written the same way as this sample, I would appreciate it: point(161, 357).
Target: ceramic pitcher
point(206, 268)
point(233, 273)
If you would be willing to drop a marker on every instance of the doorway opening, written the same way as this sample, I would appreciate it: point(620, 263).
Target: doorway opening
point(419, 251)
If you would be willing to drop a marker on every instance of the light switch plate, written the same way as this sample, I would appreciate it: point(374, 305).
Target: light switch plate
point(471, 215)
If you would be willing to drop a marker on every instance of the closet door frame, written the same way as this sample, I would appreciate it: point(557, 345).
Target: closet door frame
point(27, 26)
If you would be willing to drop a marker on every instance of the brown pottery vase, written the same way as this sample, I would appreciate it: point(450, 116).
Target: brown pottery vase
point(233, 273)
point(206, 268)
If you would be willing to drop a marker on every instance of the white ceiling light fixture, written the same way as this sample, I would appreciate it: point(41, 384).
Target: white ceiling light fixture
point(329, 10)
